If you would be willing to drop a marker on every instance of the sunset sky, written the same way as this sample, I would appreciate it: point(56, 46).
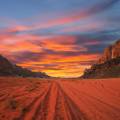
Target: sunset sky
point(58, 37)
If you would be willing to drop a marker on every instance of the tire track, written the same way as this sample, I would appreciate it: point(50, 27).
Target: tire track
point(94, 103)
point(52, 101)
point(30, 111)
point(74, 110)
point(61, 110)
point(42, 108)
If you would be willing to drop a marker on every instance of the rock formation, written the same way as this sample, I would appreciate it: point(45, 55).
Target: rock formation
point(113, 51)
point(108, 65)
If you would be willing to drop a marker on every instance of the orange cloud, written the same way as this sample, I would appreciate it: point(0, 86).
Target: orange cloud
point(17, 43)
point(52, 53)
point(62, 43)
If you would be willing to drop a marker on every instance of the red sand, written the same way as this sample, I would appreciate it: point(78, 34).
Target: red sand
point(40, 99)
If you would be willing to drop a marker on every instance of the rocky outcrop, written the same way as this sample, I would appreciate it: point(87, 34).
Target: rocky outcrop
point(110, 68)
point(113, 51)
point(9, 69)
point(116, 50)
point(108, 65)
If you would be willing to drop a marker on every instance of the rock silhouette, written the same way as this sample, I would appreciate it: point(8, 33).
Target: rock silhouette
point(9, 69)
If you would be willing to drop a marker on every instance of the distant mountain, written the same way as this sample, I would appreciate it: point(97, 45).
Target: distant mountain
point(9, 69)
point(108, 65)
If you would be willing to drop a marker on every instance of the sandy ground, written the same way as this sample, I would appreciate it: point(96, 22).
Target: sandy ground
point(59, 99)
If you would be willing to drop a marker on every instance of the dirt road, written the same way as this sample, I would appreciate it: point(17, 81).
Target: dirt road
point(35, 99)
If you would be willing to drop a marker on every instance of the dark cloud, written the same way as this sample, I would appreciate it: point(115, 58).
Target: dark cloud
point(27, 56)
point(100, 7)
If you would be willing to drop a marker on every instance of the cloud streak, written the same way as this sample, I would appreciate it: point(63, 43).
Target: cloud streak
point(67, 19)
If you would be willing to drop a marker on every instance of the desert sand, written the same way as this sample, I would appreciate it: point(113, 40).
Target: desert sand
point(59, 99)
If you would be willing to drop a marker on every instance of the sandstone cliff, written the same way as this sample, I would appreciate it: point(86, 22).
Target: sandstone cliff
point(108, 65)
point(113, 51)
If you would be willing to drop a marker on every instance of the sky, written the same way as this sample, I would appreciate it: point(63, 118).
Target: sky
point(59, 37)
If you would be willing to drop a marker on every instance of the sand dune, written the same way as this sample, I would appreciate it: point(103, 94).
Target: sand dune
point(41, 99)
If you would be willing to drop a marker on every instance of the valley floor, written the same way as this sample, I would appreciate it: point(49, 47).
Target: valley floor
point(59, 99)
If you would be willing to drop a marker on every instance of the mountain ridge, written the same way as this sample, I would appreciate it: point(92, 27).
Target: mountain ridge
point(9, 69)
